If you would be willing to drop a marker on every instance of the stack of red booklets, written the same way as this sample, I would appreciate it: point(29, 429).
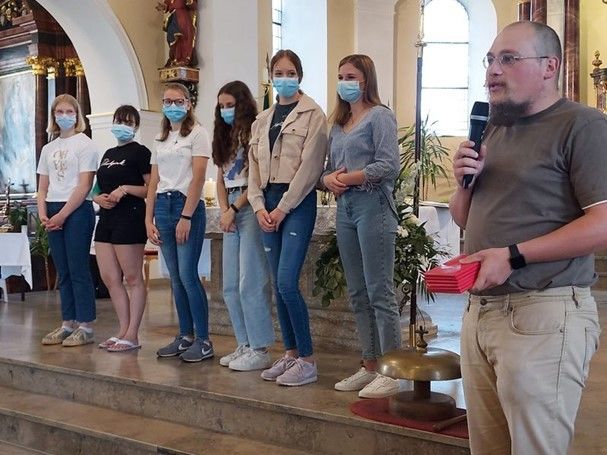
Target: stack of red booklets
point(452, 277)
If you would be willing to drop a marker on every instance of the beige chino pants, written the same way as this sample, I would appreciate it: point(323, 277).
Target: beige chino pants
point(525, 359)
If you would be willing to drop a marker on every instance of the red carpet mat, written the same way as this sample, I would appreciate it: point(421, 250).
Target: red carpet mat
point(377, 409)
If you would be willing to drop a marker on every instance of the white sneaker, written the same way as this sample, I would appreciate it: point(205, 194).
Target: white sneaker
point(357, 381)
point(226, 359)
point(382, 386)
point(251, 360)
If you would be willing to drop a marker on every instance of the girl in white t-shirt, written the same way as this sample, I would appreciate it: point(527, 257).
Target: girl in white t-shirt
point(175, 218)
point(66, 167)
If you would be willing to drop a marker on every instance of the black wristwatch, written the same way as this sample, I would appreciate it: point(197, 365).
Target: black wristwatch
point(517, 260)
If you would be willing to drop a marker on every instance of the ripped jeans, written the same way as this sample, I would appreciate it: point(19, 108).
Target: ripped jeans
point(286, 251)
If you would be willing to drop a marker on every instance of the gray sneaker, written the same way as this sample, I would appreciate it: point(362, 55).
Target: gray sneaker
point(200, 350)
point(178, 346)
point(300, 373)
point(278, 368)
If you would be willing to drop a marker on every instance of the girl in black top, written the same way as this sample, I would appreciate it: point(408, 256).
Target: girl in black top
point(120, 236)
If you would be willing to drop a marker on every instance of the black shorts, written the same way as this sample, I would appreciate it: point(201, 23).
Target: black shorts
point(120, 231)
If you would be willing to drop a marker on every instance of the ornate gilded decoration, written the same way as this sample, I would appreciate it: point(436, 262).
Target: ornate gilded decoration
point(73, 67)
point(599, 75)
point(41, 66)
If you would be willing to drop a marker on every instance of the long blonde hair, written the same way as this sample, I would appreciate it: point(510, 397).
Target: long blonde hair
point(370, 95)
point(52, 128)
point(188, 123)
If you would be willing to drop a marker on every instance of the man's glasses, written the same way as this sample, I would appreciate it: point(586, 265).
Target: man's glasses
point(506, 59)
point(178, 102)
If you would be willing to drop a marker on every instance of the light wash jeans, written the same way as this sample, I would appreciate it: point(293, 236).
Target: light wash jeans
point(70, 248)
point(286, 251)
point(525, 359)
point(366, 237)
point(247, 289)
point(182, 262)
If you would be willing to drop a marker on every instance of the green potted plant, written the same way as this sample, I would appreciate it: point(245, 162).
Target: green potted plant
point(17, 216)
point(39, 248)
point(416, 251)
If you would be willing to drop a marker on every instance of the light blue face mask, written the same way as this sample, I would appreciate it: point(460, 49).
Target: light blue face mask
point(228, 114)
point(65, 121)
point(175, 113)
point(349, 91)
point(286, 87)
point(124, 133)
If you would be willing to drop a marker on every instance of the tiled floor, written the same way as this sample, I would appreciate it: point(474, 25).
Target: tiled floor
point(23, 324)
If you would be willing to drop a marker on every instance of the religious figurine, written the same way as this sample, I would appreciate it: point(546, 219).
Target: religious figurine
point(180, 26)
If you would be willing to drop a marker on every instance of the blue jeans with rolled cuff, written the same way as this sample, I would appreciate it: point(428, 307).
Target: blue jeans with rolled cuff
point(182, 262)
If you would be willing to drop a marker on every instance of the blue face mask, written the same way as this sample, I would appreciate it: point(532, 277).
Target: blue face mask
point(175, 113)
point(124, 133)
point(349, 91)
point(65, 122)
point(228, 114)
point(286, 86)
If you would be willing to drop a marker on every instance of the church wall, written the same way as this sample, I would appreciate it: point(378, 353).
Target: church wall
point(593, 36)
point(143, 25)
point(340, 42)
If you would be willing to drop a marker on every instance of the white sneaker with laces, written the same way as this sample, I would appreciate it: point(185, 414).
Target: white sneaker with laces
point(226, 359)
point(382, 386)
point(251, 360)
point(357, 381)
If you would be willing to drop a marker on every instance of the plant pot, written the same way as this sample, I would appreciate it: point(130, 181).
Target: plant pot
point(39, 274)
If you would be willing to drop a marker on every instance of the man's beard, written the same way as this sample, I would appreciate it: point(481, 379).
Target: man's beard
point(507, 113)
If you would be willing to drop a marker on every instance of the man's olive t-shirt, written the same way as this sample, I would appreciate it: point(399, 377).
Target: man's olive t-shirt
point(539, 175)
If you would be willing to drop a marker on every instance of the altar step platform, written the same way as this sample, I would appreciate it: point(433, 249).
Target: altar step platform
point(88, 401)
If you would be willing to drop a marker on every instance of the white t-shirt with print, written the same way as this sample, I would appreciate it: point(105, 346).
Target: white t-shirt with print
point(63, 160)
point(173, 156)
point(235, 172)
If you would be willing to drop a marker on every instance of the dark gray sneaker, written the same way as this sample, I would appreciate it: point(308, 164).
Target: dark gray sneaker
point(200, 350)
point(178, 346)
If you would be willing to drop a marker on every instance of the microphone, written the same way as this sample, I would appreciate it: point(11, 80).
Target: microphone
point(478, 122)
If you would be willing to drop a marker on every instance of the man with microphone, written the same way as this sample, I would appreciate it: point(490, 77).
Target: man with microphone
point(534, 214)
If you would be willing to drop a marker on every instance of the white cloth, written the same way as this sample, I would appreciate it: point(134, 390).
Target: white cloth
point(173, 157)
point(440, 226)
point(63, 159)
point(15, 258)
point(204, 263)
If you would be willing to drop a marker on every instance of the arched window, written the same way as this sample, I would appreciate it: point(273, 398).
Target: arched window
point(276, 26)
point(445, 77)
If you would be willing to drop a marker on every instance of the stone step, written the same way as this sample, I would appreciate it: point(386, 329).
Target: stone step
point(313, 419)
point(58, 426)
point(6, 448)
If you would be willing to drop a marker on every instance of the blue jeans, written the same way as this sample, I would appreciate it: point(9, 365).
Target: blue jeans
point(366, 237)
point(286, 251)
point(182, 262)
point(70, 249)
point(247, 290)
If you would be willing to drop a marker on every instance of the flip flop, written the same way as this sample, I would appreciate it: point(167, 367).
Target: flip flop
point(109, 342)
point(123, 346)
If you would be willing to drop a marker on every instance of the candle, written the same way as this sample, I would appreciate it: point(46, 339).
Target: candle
point(209, 189)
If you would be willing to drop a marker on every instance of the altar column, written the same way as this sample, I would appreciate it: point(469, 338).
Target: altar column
point(571, 51)
point(39, 69)
point(539, 11)
point(524, 10)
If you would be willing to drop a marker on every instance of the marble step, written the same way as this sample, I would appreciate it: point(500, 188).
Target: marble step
point(314, 419)
point(6, 448)
point(57, 426)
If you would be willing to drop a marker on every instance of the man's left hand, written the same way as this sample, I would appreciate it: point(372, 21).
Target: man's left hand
point(495, 268)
